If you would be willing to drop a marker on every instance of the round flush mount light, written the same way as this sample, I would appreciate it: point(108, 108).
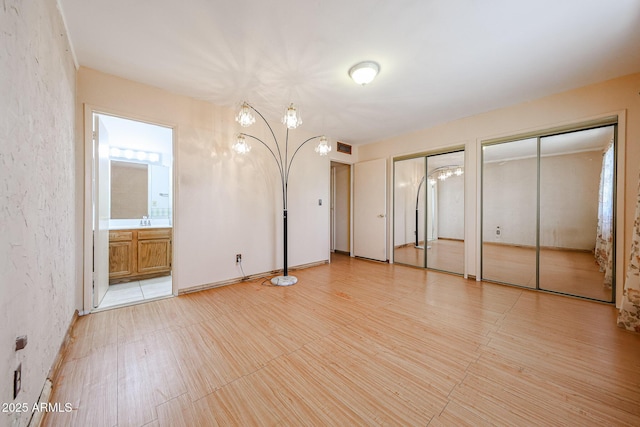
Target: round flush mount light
point(364, 72)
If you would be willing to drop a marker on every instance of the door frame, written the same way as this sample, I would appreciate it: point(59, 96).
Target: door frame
point(87, 229)
point(332, 208)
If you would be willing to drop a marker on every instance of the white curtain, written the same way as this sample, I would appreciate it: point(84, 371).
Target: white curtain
point(629, 317)
point(604, 236)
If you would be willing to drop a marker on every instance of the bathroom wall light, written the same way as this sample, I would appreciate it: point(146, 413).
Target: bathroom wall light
point(133, 155)
point(364, 72)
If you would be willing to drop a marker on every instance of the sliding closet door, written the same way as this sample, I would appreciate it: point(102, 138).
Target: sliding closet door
point(445, 212)
point(548, 212)
point(409, 203)
point(509, 206)
point(428, 203)
point(576, 213)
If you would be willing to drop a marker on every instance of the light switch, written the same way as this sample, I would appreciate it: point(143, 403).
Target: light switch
point(319, 202)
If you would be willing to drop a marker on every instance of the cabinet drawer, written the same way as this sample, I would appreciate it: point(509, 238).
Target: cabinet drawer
point(120, 236)
point(158, 233)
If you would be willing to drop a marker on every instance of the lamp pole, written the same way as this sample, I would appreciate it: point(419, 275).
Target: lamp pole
point(283, 162)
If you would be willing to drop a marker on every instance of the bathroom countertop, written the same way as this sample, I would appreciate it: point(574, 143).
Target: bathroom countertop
point(140, 227)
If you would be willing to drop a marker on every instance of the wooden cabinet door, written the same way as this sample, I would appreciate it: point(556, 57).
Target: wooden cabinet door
point(122, 259)
point(154, 256)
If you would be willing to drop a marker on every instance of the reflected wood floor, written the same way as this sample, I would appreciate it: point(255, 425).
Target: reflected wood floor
point(442, 254)
point(567, 271)
point(354, 342)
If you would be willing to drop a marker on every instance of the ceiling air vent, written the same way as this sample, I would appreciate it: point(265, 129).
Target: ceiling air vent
point(344, 148)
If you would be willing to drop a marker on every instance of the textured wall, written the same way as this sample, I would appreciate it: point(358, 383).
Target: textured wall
point(37, 192)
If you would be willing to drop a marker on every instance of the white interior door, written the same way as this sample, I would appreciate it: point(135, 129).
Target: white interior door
point(370, 210)
point(101, 211)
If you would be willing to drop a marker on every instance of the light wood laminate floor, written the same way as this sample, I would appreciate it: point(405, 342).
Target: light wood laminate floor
point(353, 343)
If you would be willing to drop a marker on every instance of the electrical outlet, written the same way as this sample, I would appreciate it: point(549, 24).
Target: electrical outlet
point(17, 381)
point(238, 258)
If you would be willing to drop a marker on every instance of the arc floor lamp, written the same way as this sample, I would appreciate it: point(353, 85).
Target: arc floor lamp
point(291, 120)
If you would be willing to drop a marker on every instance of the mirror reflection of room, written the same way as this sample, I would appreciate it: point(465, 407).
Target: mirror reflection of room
point(558, 236)
point(429, 212)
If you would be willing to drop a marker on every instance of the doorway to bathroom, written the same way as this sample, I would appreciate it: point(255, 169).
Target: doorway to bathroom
point(132, 211)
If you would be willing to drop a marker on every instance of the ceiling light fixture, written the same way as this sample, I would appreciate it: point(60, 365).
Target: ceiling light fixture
point(364, 72)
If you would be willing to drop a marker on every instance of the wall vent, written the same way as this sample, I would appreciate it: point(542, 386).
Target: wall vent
point(344, 148)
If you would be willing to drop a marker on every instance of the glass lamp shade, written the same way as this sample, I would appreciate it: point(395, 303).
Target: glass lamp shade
point(292, 118)
point(323, 147)
point(241, 146)
point(364, 72)
point(245, 116)
point(459, 171)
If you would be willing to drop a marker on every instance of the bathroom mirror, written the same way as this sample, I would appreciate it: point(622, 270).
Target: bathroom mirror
point(129, 190)
point(138, 190)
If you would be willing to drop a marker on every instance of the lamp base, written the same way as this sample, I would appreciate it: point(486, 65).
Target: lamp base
point(284, 280)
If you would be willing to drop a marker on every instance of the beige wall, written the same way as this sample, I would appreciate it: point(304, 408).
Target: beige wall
point(225, 203)
point(606, 98)
point(38, 239)
point(569, 186)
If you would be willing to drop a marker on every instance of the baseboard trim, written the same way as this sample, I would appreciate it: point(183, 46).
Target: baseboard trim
point(235, 280)
point(54, 371)
point(57, 363)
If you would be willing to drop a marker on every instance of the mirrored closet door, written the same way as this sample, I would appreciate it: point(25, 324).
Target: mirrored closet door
point(509, 200)
point(429, 212)
point(548, 212)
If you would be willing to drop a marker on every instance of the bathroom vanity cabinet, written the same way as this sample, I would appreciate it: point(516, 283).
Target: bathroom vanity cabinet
point(136, 254)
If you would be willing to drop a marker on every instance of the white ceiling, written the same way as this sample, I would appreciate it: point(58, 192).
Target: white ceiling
point(440, 60)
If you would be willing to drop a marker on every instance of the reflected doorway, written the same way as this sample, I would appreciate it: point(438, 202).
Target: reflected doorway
point(548, 212)
point(429, 211)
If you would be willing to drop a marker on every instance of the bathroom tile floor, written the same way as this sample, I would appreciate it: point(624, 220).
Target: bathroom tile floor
point(134, 292)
